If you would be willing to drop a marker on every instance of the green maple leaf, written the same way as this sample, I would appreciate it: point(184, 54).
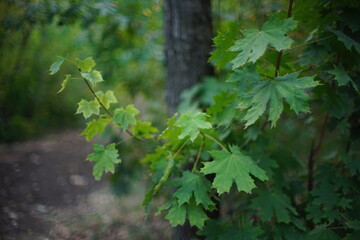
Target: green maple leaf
point(255, 41)
point(190, 185)
point(232, 167)
point(64, 83)
point(196, 215)
point(88, 108)
point(191, 123)
point(342, 78)
point(85, 65)
point(106, 98)
point(96, 126)
point(144, 129)
point(245, 77)
point(273, 204)
point(347, 41)
point(171, 132)
point(93, 77)
point(272, 92)
point(177, 213)
point(162, 165)
point(125, 117)
point(104, 158)
point(223, 41)
point(224, 109)
point(55, 67)
point(322, 233)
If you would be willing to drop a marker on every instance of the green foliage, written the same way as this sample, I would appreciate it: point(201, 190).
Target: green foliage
point(104, 159)
point(88, 108)
point(125, 116)
point(193, 185)
point(93, 77)
point(232, 167)
point(295, 172)
point(55, 67)
point(255, 41)
point(191, 123)
point(64, 83)
point(96, 126)
point(85, 65)
point(288, 87)
point(273, 204)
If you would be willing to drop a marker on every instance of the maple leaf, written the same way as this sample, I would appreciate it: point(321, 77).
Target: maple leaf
point(125, 117)
point(191, 123)
point(273, 204)
point(85, 65)
point(177, 214)
point(232, 167)
point(93, 77)
point(64, 83)
point(88, 108)
point(347, 41)
point(224, 109)
point(144, 129)
point(342, 78)
point(96, 126)
point(191, 184)
point(196, 215)
point(272, 92)
point(55, 67)
point(255, 41)
point(106, 98)
point(223, 41)
point(104, 158)
point(322, 233)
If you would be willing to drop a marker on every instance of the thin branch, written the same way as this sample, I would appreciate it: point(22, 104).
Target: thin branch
point(199, 153)
point(278, 60)
point(314, 150)
point(216, 141)
point(181, 147)
point(101, 104)
point(124, 140)
point(107, 110)
point(308, 43)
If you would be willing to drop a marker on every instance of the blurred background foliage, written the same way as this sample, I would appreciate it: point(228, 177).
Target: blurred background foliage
point(125, 37)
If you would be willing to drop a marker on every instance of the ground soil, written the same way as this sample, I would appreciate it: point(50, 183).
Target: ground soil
point(47, 192)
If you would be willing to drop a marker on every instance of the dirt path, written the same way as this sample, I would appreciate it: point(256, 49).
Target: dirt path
point(47, 192)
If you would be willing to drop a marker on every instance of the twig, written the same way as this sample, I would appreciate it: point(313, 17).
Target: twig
point(216, 141)
point(278, 60)
point(199, 154)
point(314, 150)
point(107, 111)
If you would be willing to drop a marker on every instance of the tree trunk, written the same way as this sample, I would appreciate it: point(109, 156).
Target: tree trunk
point(188, 34)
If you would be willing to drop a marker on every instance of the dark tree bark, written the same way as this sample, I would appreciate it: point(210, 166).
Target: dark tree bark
point(188, 34)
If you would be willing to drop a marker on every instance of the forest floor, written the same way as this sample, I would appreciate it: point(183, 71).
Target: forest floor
point(47, 192)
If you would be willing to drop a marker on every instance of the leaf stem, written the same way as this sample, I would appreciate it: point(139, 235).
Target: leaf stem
point(97, 98)
point(314, 150)
point(308, 43)
point(278, 60)
point(107, 110)
point(216, 141)
point(199, 154)
point(181, 147)
point(124, 140)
